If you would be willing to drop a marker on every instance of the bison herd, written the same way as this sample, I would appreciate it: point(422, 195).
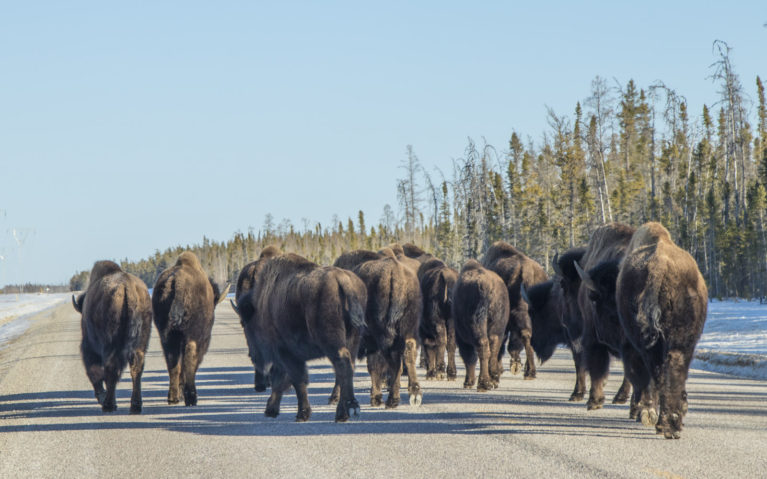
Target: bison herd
point(629, 293)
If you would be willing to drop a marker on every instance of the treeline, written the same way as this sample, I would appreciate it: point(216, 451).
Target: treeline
point(627, 153)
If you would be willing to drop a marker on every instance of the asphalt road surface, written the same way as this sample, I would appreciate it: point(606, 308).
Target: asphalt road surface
point(51, 425)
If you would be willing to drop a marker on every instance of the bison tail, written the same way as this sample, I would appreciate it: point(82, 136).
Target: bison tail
point(649, 321)
point(353, 308)
point(356, 315)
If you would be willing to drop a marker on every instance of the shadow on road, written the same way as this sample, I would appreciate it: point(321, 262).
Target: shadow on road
point(228, 406)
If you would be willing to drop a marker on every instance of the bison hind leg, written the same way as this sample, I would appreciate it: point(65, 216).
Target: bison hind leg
point(94, 369)
point(189, 368)
point(136, 370)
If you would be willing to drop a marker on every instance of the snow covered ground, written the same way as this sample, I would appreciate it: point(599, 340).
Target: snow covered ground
point(734, 339)
point(16, 308)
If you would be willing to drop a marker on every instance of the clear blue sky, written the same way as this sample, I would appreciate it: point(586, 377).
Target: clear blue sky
point(134, 127)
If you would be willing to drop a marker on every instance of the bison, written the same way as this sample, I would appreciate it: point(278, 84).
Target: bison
point(437, 329)
point(183, 300)
point(602, 335)
point(296, 311)
point(392, 314)
point(516, 269)
point(116, 322)
point(662, 303)
point(569, 284)
point(481, 313)
point(244, 284)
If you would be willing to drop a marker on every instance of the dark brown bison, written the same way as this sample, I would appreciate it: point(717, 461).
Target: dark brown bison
point(567, 294)
point(602, 334)
point(116, 322)
point(480, 311)
point(516, 269)
point(296, 311)
point(437, 330)
point(662, 303)
point(400, 253)
point(244, 284)
point(183, 301)
point(392, 314)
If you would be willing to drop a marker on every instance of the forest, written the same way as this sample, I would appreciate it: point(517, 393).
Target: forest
point(627, 153)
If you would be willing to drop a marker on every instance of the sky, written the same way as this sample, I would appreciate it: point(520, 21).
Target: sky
point(129, 128)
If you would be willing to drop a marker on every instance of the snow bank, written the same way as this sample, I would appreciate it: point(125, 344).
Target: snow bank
point(15, 309)
point(752, 366)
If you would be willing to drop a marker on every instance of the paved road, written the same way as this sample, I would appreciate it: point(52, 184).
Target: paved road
point(51, 426)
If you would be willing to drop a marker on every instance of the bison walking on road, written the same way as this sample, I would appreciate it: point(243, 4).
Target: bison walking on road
point(116, 322)
point(516, 269)
point(244, 284)
point(662, 304)
point(481, 314)
point(392, 315)
point(602, 334)
point(437, 328)
point(296, 311)
point(183, 300)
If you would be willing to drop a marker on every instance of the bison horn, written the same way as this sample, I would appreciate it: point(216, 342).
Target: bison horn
point(234, 306)
point(555, 265)
point(523, 293)
point(74, 303)
point(223, 293)
point(585, 278)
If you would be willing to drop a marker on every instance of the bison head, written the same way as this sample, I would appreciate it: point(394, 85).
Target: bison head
point(600, 282)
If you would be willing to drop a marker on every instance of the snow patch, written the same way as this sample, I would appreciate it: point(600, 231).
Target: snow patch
point(16, 308)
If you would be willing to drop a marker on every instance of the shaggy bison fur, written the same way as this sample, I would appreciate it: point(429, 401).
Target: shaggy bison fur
point(481, 312)
point(392, 314)
point(516, 269)
point(183, 301)
point(662, 304)
point(116, 322)
point(437, 329)
point(296, 311)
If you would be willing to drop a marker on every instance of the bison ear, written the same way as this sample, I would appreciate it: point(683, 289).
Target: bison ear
point(222, 294)
point(78, 303)
point(555, 265)
point(585, 278)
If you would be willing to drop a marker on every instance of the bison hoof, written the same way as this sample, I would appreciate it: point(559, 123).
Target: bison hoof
point(452, 374)
point(271, 412)
point(260, 388)
point(593, 405)
point(108, 406)
point(484, 385)
point(392, 402)
point(347, 410)
point(530, 375)
point(100, 396)
point(515, 367)
point(416, 399)
point(376, 400)
point(468, 384)
point(576, 397)
point(135, 408)
point(173, 397)
point(190, 399)
point(672, 426)
point(620, 398)
point(303, 415)
point(648, 417)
